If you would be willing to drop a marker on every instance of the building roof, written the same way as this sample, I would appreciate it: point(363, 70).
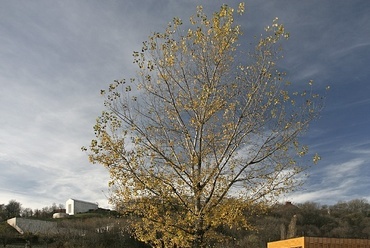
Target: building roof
point(83, 201)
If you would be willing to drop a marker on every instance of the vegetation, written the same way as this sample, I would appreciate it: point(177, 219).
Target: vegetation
point(342, 220)
point(7, 234)
point(206, 132)
point(10, 210)
point(98, 228)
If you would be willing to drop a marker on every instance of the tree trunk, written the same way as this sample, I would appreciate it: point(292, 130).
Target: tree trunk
point(198, 236)
point(199, 225)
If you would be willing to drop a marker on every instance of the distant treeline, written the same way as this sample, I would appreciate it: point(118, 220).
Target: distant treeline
point(342, 220)
point(15, 209)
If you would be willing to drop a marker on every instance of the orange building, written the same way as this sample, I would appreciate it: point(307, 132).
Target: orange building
point(317, 242)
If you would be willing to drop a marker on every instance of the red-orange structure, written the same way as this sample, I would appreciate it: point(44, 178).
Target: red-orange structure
point(318, 242)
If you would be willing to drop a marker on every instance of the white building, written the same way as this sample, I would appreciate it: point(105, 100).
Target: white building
point(76, 206)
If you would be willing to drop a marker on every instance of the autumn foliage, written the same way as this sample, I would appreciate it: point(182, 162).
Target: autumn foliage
point(204, 132)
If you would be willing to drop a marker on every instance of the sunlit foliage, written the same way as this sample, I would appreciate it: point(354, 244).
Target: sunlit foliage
point(204, 132)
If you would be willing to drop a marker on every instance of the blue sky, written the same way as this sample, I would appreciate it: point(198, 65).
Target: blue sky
point(55, 56)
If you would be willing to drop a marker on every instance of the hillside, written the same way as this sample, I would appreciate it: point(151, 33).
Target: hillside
point(104, 228)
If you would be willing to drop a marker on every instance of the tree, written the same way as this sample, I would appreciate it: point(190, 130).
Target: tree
point(27, 212)
point(13, 209)
point(7, 233)
point(204, 132)
point(2, 212)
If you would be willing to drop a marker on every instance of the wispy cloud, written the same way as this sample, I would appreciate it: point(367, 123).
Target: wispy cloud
point(343, 170)
point(335, 182)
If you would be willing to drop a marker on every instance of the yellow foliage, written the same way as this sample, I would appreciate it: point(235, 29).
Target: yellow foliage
point(198, 141)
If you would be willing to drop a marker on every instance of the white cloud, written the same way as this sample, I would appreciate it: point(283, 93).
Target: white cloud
point(333, 183)
point(344, 170)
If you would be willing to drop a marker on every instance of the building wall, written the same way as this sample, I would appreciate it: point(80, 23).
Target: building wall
point(33, 226)
point(70, 206)
point(76, 206)
point(318, 242)
point(288, 243)
point(313, 242)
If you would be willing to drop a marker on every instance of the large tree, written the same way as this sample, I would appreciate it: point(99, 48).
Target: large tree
point(13, 209)
point(203, 132)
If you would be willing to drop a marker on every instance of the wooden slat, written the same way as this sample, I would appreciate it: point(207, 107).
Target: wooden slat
point(320, 242)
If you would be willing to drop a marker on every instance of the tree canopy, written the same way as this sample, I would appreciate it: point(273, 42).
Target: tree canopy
point(204, 132)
